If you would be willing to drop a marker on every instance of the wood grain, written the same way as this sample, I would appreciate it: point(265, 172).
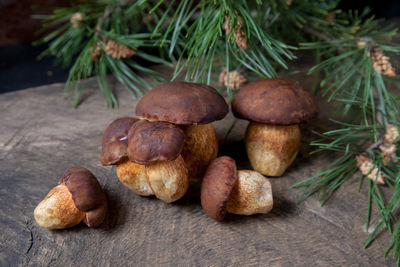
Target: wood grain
point(41, 136)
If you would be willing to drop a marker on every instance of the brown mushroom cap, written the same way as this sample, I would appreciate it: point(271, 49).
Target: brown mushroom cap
point(115, 141)
point(274, 101)
point(182, 103)
point(218, 182)
point(87, 194)
point(154, 141)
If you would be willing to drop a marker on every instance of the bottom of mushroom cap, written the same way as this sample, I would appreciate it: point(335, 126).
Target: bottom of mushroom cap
point(251, 194)
point(57, 210)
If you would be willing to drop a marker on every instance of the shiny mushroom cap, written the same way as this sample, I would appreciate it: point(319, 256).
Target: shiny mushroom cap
point(218, 182)
point(115, 141)
point(154, 141)
point(274, 101)
point(87, 194)
point(182, 103)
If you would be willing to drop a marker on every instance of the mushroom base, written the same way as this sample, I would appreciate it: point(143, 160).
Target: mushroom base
point(133, 176)
point(201, 147)
point(57, 210)
point(251, 194)
point(272, 148)
point(167, 180)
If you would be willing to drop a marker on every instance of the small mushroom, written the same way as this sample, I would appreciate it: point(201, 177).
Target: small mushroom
point(193, 107)
point(115, 141)
point(274, 108)
point(78, 197)
point(224, 189)
point(154, 165)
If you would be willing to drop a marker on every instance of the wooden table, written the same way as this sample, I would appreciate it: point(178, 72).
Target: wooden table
point(42, 135)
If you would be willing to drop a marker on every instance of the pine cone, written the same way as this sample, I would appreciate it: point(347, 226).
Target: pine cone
point(95, 51)
point(240, 37)
point(366, 167)
point(361, 44)
point(388, 153)
point(117, 50)
point(381, 63)
point(76, 19)
point(392, 134)
point(236, 80)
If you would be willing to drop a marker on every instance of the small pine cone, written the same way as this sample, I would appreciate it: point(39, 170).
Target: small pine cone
point(392, 134)
point(236, 80)
point(117, 50)
point(95, 51)
point(361, 44)
point(330, 16)
point(147, 19)
point(76, 19)
point(388, 153)
point(367, 168)
point(381, 63)
point(226, 26)
point(240, 37)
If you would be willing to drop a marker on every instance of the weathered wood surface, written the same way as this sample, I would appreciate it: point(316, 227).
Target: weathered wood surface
point(41, 136)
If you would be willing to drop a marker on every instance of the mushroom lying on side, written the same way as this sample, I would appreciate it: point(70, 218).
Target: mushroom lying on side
point(193, 107)
point(274, 108)
point(224, 189)
point(78, 197)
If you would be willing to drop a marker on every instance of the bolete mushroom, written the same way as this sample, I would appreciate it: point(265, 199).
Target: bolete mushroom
point(115, 141)
point(193, 107)
point(78, 197)
point(147, 157)
point(274, 108)
point(224, 189)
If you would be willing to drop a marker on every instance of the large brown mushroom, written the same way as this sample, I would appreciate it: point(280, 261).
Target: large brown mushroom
point(224, 189)
point(274, 108)
point(78, 197)
point(193, 107)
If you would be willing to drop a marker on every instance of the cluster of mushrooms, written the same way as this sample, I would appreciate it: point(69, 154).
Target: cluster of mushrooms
point(172, 144)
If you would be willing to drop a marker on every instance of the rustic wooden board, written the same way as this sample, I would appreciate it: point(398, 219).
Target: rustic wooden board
point(41, 136)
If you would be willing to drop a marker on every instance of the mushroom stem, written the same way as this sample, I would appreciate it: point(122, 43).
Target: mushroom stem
point(272, 148)
point(251, 194)
point(167, 180)
point(133, 176)
point(201, 147)
point(57, 210)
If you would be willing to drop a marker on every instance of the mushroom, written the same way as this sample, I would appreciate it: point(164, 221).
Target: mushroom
point(78, 197)
point(114, 152)
point(151, 163)
point(224, 189)
point(274, 108)
point(115, 141)
point(193, 107)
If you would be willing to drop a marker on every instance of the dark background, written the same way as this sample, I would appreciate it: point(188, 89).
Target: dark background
point(19, 67)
